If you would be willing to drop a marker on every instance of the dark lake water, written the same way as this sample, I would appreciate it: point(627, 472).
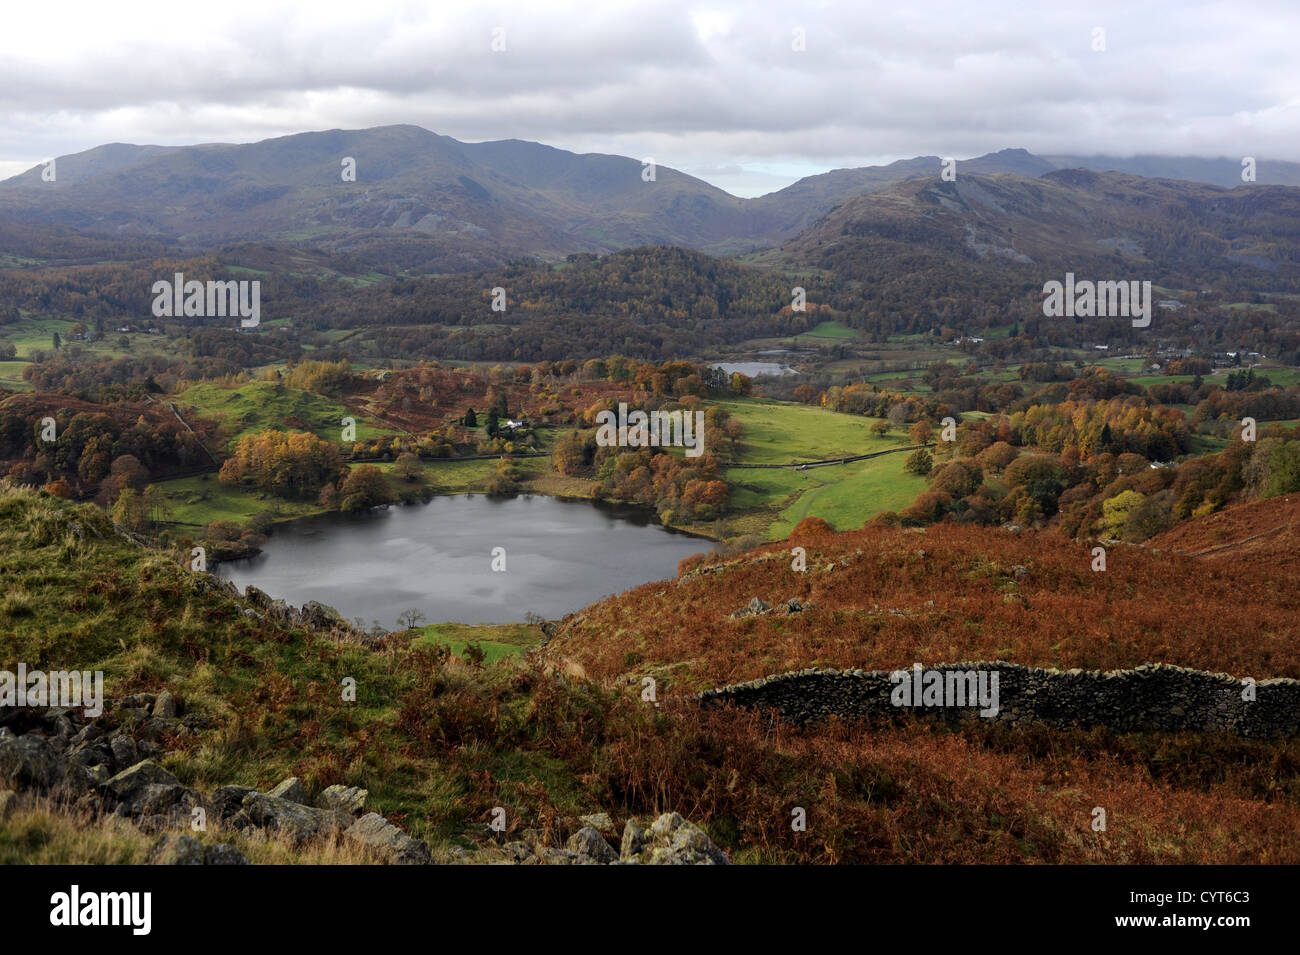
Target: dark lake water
point(560, 556)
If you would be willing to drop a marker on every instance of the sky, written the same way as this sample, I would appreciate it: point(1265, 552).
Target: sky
point(748, 96)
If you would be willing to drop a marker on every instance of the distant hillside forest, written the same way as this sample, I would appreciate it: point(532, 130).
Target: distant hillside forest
point(651, 303)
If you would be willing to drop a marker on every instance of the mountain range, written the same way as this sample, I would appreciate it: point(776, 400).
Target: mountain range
point(430, 203)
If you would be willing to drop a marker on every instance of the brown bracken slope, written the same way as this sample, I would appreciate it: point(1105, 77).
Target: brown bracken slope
point(884, 598)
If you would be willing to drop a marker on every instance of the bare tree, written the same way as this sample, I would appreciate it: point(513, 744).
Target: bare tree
point(410, 618)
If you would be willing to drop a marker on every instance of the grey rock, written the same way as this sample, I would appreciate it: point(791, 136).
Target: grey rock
point(521, 853)
point(146, 789)
point(386, 840)
point(590, 844)
point(30, 762)
point(171, 849)
point(598, 820)
point(299, 822)
point(227, 801)
point(319, 616)
point(349, 799)
point(124, 751)
point(293, 790)
point(551, 856)
point(223, 853)
point(633, 840)
point(165, 705)
point(674, 841)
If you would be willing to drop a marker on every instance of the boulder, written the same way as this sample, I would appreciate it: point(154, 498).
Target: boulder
point(319, 616)
point(633, 841)
point(550, 856)
point(390, 843)
point(227, 801)
point(599, 821)
point(301, 823)
point(349, 799)
point(672, 840)
point(165, 705)
point(588, 843)
point(754, 608)
point(124, 751)
point(521, 853)
point(172, 849)
point(293, 790)
point(30, 762)
point(146, 789)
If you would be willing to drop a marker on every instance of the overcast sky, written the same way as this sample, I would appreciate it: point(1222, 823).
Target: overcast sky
point(714, 89)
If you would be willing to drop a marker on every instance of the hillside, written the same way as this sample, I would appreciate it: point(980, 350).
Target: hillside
point(1259, 534)
point(419, 198)
point(883, 598)
point(431, 203)
point(1000, 232)
point(253, 693)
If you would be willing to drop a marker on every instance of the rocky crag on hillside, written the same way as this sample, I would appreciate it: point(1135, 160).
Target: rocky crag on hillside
point(108, 766)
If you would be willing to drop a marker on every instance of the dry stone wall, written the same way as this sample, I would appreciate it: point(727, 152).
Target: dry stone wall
point(1150, 697)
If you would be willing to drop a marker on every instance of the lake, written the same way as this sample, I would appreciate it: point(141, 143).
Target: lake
point(753, 369)
point(560, 556)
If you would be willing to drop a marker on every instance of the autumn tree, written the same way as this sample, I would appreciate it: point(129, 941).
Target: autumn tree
point(407, 467)
point(922, 432)
point(919, 462)
point(287, 463)
point(364, 487)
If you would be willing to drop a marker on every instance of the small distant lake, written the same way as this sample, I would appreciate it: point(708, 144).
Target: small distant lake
point(561, 555)
point(755, 368)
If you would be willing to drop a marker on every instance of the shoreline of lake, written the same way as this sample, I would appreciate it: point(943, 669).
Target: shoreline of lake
point(555, 551)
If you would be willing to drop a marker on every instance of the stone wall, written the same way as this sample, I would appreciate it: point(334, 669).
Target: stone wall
point(1150, 697)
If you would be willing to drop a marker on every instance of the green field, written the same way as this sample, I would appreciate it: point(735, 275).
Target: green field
point(1281, 377)
point(259, 405)
point(497, 641)
point(11, 375)
point(198, 501)
point(779, 432)
point(770, 502)
point(829, 330)
point(1121, 366)
point(37, 334)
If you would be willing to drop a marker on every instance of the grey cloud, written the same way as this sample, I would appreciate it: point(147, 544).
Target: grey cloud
point(641, 78)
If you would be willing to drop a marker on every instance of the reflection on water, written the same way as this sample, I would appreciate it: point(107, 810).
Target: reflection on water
point(560, 556)
point(753, 369)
